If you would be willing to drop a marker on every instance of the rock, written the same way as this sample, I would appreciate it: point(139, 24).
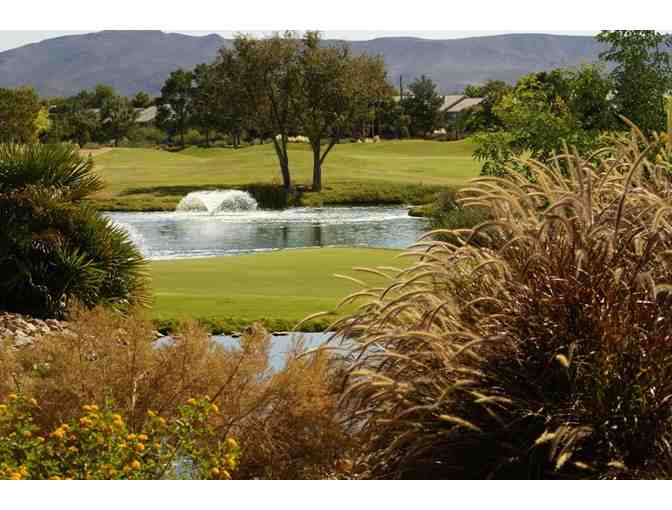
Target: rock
point(21, 340)
point(28, 327)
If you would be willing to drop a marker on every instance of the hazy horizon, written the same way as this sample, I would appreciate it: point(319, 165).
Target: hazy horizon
point(11, 39)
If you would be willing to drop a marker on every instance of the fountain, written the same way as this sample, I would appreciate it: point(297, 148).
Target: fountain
point(217, 201)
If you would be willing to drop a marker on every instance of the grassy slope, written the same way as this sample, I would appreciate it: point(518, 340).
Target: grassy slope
point(143, 178)
point(281, 286)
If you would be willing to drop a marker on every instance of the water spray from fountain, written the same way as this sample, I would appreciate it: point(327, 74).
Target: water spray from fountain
point(216, 201)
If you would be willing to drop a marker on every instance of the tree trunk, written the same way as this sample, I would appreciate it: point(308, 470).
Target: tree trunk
point(317, 167)
point(283, 159)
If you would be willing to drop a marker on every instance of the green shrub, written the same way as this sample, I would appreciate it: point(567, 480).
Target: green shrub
point(542, 353)
point(53, 249)
point(143, 136)
point(193, 137)
point(447, 214)
point(269, 196)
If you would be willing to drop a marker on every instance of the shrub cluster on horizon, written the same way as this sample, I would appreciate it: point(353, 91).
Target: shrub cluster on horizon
point(542, 350)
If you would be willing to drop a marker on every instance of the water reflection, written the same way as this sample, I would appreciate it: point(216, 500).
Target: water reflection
point(179, 234)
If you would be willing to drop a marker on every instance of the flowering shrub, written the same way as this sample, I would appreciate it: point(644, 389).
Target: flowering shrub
point(98, 445)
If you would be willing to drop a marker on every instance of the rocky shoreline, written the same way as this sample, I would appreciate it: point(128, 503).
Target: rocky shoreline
point(22, 330)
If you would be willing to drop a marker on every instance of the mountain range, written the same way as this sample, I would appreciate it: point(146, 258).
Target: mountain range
point(134, 60)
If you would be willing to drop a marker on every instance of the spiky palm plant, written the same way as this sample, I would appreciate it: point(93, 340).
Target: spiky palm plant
point(542, 351)
point(53, 249)
point(59, 167)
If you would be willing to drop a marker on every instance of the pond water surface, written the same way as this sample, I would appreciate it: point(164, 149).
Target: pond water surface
point(168, 235)
point(281, 344)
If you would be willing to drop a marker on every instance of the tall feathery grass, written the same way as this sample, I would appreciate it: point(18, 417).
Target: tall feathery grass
point(544, 350)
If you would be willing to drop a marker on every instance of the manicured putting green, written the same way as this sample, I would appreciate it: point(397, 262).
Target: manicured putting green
point(287, 285)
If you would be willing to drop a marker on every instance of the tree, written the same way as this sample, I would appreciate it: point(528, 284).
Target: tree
point(265, 75)
point(176, 103)
point(537, 118)
point(205, 111)
point(101, 94)
point(335, 90)
point(589, 98)
point(483, 116)
point(73, 120)
point(19, 113)
point(642, 74)
point(423, 105)
point(118, 117)
point(141, 100)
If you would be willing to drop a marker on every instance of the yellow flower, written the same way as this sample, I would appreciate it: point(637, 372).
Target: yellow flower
point(142, 437)
point(23, 470)
point(32, 401)
point(117, 417)
point(162, 421)
point(139, 447)
point(226, 475)
point(214, 472)
point(191, 402)
point(65, 427)
point(230, 461)
point(93, 407)
point(40, 439)
point(215, 408)
point(131, 437)
point(27, 433)
point(3, 408)
point(231, 443)
point(151, 413)
point(59, 433)
point(85, 422)
point(135, 464)
point(12, 396)
point(15, 476)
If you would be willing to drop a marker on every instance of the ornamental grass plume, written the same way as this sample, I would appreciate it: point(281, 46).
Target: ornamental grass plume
point(544, 350)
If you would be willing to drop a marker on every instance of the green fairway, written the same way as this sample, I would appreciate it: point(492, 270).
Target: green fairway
point(150, 178)
point(282, 287)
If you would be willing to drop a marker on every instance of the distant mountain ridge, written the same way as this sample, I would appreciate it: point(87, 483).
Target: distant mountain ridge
point(134, 60)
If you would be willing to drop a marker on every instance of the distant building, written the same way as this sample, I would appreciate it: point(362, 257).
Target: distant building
point(146, 115)
point(454, 105)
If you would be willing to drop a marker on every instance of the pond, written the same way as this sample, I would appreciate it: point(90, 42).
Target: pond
point(200, 233)
point(281, 344)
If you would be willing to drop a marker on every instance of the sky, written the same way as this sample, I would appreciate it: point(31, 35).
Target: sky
point(14, 38)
